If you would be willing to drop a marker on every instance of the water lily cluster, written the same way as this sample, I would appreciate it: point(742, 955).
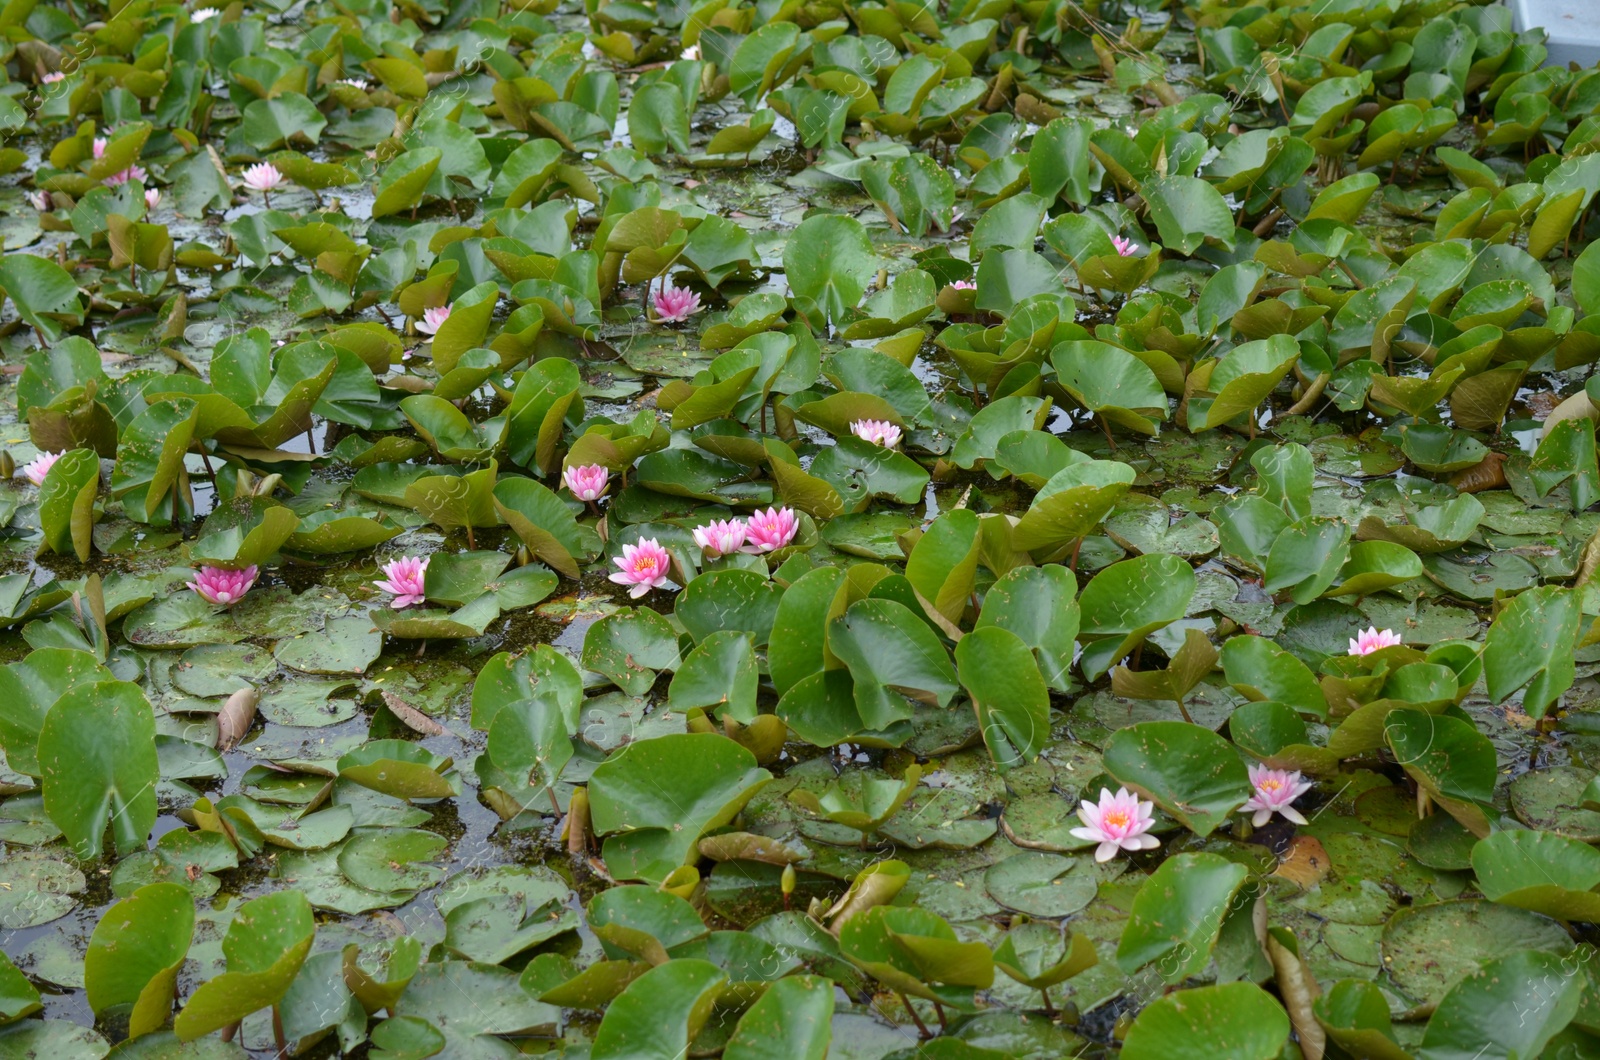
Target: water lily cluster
point(960, 512)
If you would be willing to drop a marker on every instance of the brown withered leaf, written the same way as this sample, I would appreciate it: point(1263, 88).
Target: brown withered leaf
point(1299, 990)
point(1487, 474)
point(746, 846)
point(236, 717)
point(1305, 862)
point(415, 720)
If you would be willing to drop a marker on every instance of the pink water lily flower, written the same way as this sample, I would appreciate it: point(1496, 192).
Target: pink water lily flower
point(1125, 247)
point(720, 537)
point(587, 482)
point(963, 285)
point(878, 432)
point(432, 319)
point(99, 146)
point(152, 198)
point(52, 77)
point(225, 587)
point(1275, 790)
point(1373, 639)
point(353, 82)
point(36, 469)
point(263, 177)
point(770, 530)
point(644, 566)
point(674, 304)
point(1118, 823)
point(131, 173)
point(40, 200)
point(406, 580)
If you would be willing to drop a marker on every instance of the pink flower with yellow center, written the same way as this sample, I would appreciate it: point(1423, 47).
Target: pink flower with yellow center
point(1373, 639)
point(1119, 822)
point(878, 432)
point(1275, 790)
point(433, 319)
point(770, 530)
point(225, 587)
point(675, 304)
point(720, 537)
point(587, 482)
point(406, 579)
point(1126, 248)
point(131, 173)
point(263, 177)
point(36, 469)
point(644, 566)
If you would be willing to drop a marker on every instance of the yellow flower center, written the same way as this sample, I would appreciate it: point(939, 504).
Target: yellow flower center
point(1115, 819)
point(1271, 785)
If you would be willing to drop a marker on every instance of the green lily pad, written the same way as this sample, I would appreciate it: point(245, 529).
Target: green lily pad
point(1043, 885)
point(1428, 949)
point(344, 646)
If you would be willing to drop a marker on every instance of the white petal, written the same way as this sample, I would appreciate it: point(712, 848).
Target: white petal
point(1292, 814)
point(1261, 818)
point(1106, 851)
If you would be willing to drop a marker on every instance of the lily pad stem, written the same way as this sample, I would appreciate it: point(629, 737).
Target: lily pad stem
point(922, 1028)
point(1309, 398)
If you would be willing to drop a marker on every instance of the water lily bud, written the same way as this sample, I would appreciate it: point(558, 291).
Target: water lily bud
point(788, 881)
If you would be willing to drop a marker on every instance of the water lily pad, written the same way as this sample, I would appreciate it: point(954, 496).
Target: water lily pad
point(1042, 884)
point(1178, 914)
point(180, 620)
point(498, 914)
point(393, 860)
point(1235, 1021)
point(52, 1038)
point(472, 1003)
point(1428, 949)
point(222, 669)
point(308, 702)
point(344, 646)
point(398, 768)
point(135, 954)
point(712, 776)
point(316, 874)
point(38, 890)
point(630, 647)
point(1192, 773)
point(1552, 800)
